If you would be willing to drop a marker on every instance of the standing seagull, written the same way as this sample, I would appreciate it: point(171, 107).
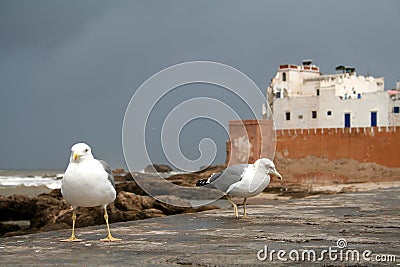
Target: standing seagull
point(87, 182)
point(242, 180)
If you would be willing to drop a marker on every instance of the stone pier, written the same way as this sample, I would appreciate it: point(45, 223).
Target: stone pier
point(364, 221)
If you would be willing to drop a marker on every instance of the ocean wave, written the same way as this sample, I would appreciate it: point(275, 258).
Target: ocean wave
point(35, 181)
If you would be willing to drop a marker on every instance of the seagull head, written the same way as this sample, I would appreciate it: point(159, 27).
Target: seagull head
point(268, 166)
point(80, 152)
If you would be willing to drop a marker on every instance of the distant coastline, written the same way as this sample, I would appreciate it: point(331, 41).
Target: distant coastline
point(29, 182)
point(32, 183)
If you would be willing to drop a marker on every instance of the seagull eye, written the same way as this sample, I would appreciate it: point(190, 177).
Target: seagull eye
point(86, 150)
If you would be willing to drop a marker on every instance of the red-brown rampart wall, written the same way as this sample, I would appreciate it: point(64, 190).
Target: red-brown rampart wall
point(371, 144)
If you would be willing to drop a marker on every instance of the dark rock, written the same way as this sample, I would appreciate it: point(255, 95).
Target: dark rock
point(5, 228)
point(47, 208)
point(84, 217)
point(126, 201)
point(16, 207)
point(122, 176)
point(128, 177)
point(126, 207)
point(190, 179)
point(51, 212)
point(131, 187)
point(119, 171)
point(56, 193)
point(158, 168)
point(152, 213)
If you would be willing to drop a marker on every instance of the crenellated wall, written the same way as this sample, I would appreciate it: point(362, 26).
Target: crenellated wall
point(371, 144)
point(380, 145)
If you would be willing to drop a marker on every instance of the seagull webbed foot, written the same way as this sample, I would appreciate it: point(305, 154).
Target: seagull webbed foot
point(110, 238)
point(71, 239)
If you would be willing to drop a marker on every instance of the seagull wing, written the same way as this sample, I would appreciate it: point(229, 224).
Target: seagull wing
point(107, 169)
point(223, 180)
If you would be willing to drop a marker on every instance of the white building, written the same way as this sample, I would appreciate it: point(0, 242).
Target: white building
point(301, 97)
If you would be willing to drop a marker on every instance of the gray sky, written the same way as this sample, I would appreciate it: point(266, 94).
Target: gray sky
point(69, 68)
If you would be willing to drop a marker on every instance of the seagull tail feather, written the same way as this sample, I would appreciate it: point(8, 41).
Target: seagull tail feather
point(202, 182)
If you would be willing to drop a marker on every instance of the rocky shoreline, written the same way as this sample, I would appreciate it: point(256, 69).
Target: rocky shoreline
point(302, 178)
point(49, 211)
point(21, 214)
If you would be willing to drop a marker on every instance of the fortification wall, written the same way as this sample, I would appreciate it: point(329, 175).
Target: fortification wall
point(249, 139)
point(380, 145)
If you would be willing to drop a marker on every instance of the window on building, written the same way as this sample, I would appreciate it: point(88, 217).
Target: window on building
point(300, 117)
point(278, 94)
point(396, 110)
point(284, 76)
point(317, 92)
point(374, 119)
point(314, 114)
point(347, 120)
point(287, 115)
point(329, 113)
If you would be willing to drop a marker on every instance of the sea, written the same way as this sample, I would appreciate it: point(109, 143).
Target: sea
point(29, 182)
point(34, 182)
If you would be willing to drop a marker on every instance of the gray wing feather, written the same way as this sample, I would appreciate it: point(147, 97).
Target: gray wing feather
point(107, 168)
point(223, 180)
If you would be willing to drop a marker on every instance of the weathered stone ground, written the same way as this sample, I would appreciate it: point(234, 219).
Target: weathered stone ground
point(368, 220)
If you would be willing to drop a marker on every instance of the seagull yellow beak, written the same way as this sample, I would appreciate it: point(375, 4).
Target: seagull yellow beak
point(76, 156)
point(277, 174)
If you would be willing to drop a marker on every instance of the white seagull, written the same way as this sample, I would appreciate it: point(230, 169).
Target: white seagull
point(87, 182)
point(242, 180)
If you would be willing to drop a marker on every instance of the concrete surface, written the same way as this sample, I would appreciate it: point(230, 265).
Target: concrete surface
point(366, 220)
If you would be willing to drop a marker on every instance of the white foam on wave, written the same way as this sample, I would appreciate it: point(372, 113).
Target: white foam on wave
point(177, 172)
point(14, 181)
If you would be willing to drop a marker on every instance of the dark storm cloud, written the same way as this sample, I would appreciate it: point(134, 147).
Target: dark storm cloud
point(69, 68)
point(47, 24)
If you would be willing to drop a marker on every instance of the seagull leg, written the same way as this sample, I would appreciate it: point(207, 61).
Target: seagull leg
point(244, 208)
point(235, 208)
point(73, 237)
point(109, 236)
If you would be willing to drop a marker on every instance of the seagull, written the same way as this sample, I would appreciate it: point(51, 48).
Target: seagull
point(87, 182)
point(242, 180)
